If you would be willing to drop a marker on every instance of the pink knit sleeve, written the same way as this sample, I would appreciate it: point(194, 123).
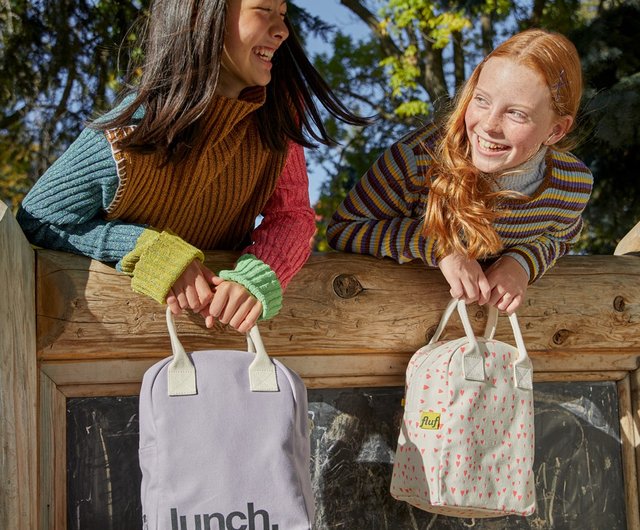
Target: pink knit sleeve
point(284, 237)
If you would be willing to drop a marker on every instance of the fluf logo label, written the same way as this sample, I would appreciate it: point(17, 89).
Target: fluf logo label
point(252, 520)
point(430, 420)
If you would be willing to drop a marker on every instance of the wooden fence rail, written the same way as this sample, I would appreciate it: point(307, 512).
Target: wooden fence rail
point(18, 378)
point(346, 321)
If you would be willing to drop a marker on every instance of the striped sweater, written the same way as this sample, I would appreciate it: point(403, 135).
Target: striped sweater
point(383, 214)
point(118, 207)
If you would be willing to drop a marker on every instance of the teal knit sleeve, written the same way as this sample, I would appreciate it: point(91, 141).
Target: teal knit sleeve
point(64, 209)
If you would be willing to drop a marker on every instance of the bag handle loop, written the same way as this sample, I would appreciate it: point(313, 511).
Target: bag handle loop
point(492, 323)
point(490, 331)
point(182, 372)
point(473, 362)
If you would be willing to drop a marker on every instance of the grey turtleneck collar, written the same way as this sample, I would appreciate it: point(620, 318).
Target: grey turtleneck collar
point(525, 178)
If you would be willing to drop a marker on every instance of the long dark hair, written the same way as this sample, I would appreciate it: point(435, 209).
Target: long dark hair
point(180, 75)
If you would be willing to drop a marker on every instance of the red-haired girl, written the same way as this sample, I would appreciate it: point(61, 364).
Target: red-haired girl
point(495, 181)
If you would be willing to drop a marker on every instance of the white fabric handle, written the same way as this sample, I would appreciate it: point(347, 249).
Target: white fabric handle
point(492, 323)
point(182, 372)
point(262, 371)
point(473, 362)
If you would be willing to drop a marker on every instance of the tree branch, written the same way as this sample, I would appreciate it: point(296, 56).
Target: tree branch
point(363, 13)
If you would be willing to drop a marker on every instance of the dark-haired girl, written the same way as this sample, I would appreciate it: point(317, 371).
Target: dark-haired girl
point(209, 139)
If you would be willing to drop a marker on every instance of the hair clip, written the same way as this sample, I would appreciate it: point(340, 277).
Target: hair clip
point(555, 89)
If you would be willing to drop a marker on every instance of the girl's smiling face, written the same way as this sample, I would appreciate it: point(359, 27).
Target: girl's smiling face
point(254, 31)
point(510, 116)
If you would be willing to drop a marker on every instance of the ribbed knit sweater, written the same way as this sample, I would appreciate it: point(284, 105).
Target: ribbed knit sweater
point(383, 214)
point(97, 201)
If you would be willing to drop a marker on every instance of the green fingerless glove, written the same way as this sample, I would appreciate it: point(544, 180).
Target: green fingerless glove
point(258, 278)
point(157, 261)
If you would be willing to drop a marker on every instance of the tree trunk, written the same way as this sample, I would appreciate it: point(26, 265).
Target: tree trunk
point(536, 13)
point(486, 30)
point(433, 76)
point(458, 59)
point(363, 13)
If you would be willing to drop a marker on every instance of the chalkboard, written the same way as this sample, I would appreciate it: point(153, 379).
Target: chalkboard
point(578, 465)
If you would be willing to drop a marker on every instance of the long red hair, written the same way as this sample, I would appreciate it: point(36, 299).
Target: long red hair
point(462, 203)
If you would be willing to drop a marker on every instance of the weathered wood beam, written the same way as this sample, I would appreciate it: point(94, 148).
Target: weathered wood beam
point(18, 378)
point(634, 428)
point(347, 321)
point(629, 442)
point(347, 316)
point(52, 445)
point(629, 243)
point(83, 378)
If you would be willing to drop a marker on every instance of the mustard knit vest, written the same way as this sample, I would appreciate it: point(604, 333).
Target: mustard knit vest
point(210, 199)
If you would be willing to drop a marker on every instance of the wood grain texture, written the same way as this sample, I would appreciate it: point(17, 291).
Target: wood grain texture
point(629, 442)
point(18, 378)
point(630, 243)
point(347, 321)
point(634, 379)
point(584, 312)
point(52, 491)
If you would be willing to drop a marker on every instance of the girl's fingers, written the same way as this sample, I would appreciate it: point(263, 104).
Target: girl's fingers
point(505, 302)
point(218, 303)
point(182, 300)
point(485, 290)
point(209, 275)
point(456, 291)
point(495, 297)
point(203, 291)
point(193, 300)
point(470, 291)
point(514, 305)
point(251, 319)
point(234, 303)
point(241, 314)
point(171, 298)
point(172, 302)
point(208, 319)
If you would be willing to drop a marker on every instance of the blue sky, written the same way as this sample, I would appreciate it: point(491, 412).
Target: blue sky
point(335, 13)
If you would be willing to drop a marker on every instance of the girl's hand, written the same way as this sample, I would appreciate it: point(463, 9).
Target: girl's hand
point(466, 279)
point(192, 289)
point(232, 304)
point(509, 282)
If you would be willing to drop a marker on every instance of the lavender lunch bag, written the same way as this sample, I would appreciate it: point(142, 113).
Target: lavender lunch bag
point(224, 442)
